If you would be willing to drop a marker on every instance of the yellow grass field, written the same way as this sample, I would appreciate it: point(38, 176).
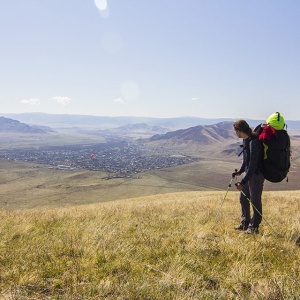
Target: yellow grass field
point(165, 246)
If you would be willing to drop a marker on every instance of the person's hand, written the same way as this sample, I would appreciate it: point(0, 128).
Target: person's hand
point(239, 186)
point(234, 174)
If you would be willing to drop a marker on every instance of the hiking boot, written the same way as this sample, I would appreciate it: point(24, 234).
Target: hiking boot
point(242, 226)
point(252, 230)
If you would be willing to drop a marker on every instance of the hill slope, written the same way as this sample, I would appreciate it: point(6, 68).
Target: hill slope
point(207, 134)
point(13, 126)
point(173, 246)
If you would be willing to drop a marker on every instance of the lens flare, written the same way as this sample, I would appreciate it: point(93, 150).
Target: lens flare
point(101, 4)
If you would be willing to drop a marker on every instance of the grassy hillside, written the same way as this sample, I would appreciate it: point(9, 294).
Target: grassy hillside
point(171, 246)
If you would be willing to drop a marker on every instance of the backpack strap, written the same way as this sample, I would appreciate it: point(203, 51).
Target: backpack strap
point(244, 148)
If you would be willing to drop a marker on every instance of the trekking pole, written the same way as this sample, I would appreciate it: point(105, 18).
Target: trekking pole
point(220, 208)
point(223, 200)
point(259, 213)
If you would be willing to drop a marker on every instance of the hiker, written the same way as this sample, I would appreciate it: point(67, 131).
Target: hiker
point(251, 185)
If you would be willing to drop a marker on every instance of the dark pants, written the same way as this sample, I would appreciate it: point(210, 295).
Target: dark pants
point(253, 191)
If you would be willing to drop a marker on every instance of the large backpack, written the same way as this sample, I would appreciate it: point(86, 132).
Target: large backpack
point(277, 148)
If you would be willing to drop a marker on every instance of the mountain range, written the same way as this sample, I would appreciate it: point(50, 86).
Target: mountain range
point(105, 122)
point(200, 134)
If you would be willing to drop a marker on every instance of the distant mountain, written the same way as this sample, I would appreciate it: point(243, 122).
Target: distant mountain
point(137, 126)
point(140, 128)
point(104, 122)
point(200, 134)
point(46, 129)
point(9, 125)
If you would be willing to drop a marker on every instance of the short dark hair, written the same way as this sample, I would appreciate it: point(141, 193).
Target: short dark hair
point(243, 126)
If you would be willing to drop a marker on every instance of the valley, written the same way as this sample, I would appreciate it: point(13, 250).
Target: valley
point(67, 167)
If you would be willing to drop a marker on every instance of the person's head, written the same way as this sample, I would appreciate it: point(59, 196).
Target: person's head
point(242, 129)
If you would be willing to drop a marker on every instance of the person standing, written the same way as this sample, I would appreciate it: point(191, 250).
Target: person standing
point(251, 185)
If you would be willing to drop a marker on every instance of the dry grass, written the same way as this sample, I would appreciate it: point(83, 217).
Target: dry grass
point(168, 246)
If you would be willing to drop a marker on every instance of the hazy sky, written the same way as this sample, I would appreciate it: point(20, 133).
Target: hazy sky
point(158, 58)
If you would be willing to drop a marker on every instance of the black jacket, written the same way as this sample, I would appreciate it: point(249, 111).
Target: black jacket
point(252, 158)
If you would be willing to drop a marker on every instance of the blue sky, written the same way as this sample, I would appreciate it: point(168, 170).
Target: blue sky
point(170, 58)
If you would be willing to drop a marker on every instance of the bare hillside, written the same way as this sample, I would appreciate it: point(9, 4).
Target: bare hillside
point(12, 126)
point(199, 134)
